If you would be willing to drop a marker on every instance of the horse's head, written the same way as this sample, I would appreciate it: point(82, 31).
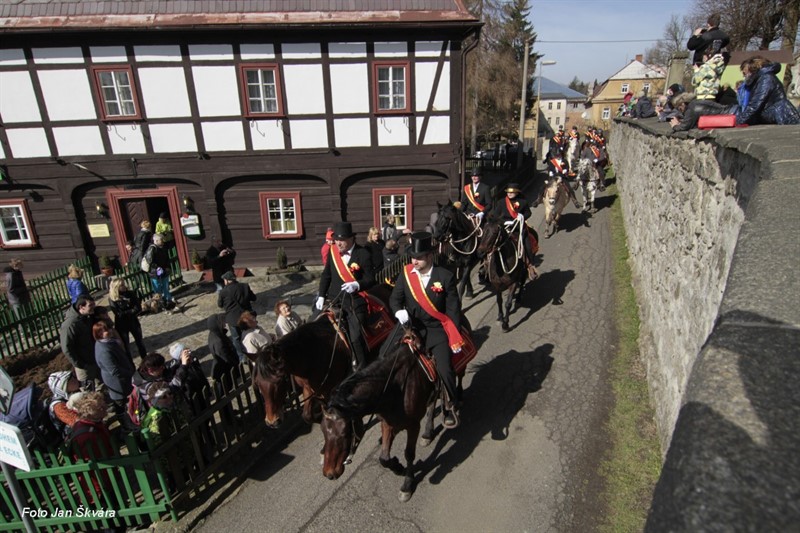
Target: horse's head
point(551, 191)
point(445, 216)
point(272, 381)
point(492, 234)
point(338, 431)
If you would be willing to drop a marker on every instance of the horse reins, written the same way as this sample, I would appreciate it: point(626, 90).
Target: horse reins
point(477, 232)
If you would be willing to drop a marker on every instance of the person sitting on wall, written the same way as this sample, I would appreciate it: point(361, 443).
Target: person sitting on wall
point(692, 109)
point(766, 101)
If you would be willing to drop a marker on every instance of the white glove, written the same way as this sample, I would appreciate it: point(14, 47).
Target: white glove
point(319, 303)
point(479, 216)
point(508, 222)
point(457, 350)
point(350, 287)
point(551, 173)
point(402, 316)
point(595, 160)
point(520, 217)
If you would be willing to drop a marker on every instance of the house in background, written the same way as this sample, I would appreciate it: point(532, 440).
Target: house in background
point(262, 126)
point(609, 95)
point(558, 106)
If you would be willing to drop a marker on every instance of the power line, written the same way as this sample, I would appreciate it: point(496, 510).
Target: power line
point(613, 41)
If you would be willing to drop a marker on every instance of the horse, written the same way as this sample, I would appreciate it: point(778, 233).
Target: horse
point(397, 389)
point(458, 236)
point(573, 152)
point(504, 264)
point(589, 178)
point(556, 198)
point(316, 357)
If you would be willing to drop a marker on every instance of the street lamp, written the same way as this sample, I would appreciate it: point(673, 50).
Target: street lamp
point(537, 108)
point(521, 141)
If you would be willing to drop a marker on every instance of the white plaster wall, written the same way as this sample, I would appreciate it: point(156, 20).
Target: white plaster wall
point(158, 52)
point(17, 99)
point(391, 49)
point(256, 51)
point(108, 54)
point(159, 102)
point(126, 138)
point(430, 49)
point(437, 132)
point(347, 50)
point(351, 132)
point(301, 51)
point(267, 134)
point(392, 131)
point(78, 140)
point(425, 74)
point(304, 90)
point(12, 56)
point(221, 136)
point(309, 133)
point(173, 138)
point(217, 91)
point(350, 88)
point(67, 95)
point(57, 55)
point(211, 52)
point(28, 142)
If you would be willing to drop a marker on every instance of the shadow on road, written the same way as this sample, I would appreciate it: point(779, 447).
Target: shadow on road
point(496, 394)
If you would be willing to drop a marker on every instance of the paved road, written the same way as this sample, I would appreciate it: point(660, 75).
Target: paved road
point(526, 455)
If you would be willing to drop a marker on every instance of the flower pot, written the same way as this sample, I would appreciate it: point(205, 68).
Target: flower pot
point(198, 267)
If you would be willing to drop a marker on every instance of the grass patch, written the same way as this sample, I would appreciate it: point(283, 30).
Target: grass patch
point(633, 463)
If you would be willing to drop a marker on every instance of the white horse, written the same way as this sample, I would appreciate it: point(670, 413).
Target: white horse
point(573, 150)
point(589, 178)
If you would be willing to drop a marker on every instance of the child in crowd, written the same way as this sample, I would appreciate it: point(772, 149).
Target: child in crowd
point(64, 386)
point(75, 285)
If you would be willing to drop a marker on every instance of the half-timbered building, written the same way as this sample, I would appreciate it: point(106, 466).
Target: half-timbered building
point(258, 121)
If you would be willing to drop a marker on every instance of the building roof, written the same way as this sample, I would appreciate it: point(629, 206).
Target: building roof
point(636, 70)
point(159, 14)
point(551, 90)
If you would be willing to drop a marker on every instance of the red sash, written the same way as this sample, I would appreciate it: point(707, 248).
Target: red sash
point(558, 166)
point(596, 151)
point(418, 292)
point(511, 209)
point(341, 269)
point(471, 198)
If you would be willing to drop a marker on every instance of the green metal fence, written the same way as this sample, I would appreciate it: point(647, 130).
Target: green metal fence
point(136, 486)
point(37, 324)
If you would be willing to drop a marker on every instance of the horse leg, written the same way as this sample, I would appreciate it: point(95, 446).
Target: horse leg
point(520, 290)
point(507, 307)
point(499, 298)
point(409, 484)
point(427, 434)
point(387, 438)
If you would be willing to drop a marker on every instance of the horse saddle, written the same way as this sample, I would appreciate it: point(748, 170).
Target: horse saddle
point(458, 360)
point(376, 327)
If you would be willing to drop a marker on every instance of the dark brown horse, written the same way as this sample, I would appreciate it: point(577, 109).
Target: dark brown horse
point(396, 389)
point(504, 263)
point(459, 237)
point(317, 357)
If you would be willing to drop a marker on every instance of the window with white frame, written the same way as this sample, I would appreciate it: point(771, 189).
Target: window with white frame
point(261, 86)
point(394, 202)
point(391, 86)
point(117, 93)
point(281, 215)
point(16, 230)
point(606, 113)
point(624, 88)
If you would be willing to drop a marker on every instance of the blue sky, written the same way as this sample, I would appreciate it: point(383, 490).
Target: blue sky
point(593, 20)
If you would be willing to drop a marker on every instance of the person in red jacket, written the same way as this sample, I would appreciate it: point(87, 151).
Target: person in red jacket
point(326, 247)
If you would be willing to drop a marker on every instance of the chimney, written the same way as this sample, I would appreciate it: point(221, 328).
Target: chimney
point(639, 58)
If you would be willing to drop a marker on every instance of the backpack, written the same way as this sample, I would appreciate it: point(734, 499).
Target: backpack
point(147, 259)
point(32, 417)
point(137, 407)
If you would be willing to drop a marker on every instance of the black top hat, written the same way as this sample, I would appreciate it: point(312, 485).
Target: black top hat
point(421, 244)
point(343, 230)
point(513, 187)
point(476, 171)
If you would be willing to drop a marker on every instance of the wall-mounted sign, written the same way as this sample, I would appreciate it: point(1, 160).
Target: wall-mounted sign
point(13, 450)
point(99, 230)
point(190, 225)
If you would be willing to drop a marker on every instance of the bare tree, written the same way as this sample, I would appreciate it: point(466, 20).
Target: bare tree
point(752, 23)
point(673, 40)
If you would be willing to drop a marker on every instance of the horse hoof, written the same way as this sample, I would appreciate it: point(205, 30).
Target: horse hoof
point(405, 496)
point(424, 442)
point(505, 327)
point(469, 295)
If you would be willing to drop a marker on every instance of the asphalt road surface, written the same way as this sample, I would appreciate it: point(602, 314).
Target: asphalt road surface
point(526, 455)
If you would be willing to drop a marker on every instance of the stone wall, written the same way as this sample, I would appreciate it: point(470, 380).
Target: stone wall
point(712, 223)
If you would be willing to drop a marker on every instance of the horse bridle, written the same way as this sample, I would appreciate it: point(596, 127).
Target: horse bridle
point(447, 236)
point(497, 245)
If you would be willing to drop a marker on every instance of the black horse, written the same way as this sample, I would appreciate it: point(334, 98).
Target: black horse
point(395, 388)
point(459, 237)
point(504, 264)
